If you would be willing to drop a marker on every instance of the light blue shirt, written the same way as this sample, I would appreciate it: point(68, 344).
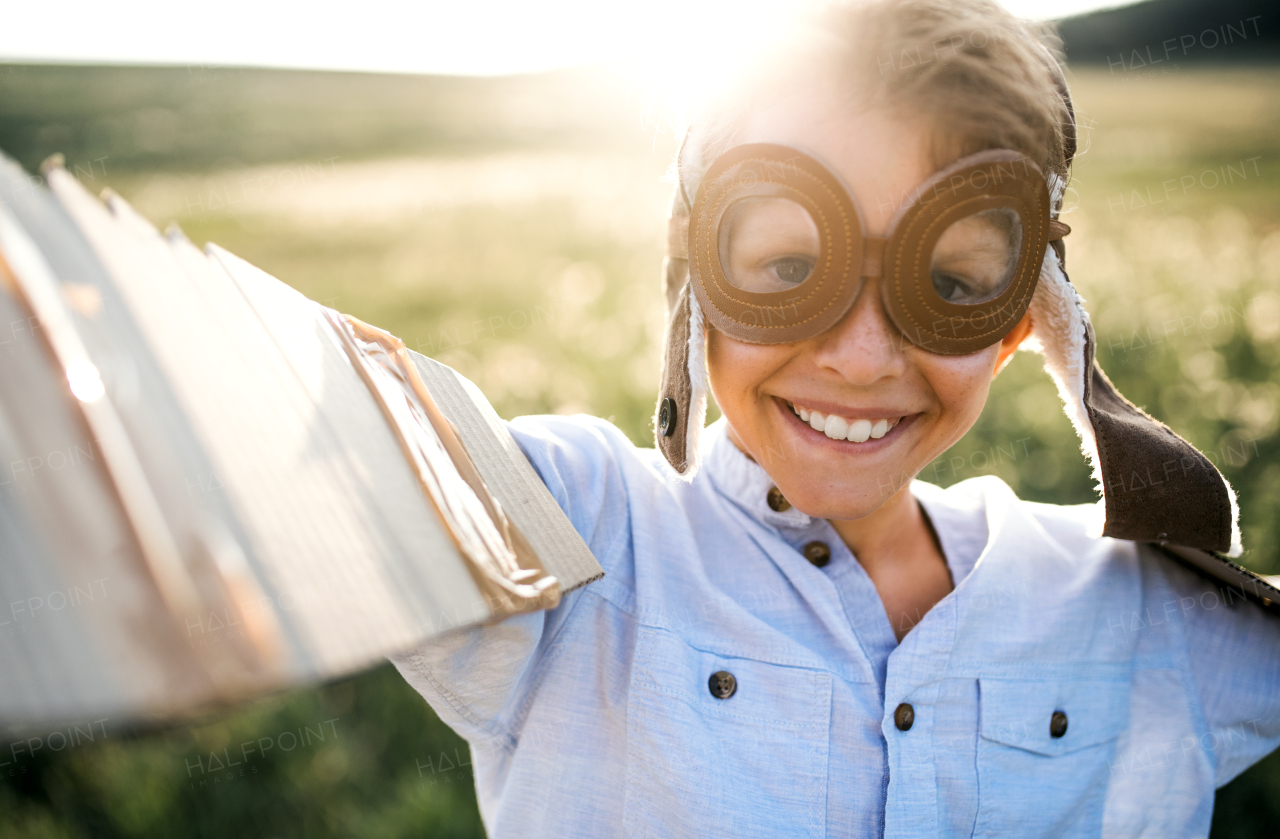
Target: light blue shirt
point(597, 719)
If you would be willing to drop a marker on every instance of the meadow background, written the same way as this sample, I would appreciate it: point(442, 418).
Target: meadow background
point(512, 229)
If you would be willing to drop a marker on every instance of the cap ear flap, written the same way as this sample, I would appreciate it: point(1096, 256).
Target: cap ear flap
point(682, 401)
point(1156, 487)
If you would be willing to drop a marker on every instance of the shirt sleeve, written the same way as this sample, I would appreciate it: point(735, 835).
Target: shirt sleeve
point(1233, 647)
point(477, 678)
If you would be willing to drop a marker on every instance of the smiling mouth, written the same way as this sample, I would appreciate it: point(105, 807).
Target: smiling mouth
point(839, 428)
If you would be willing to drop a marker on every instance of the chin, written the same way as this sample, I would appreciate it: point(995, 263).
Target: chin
point(845, 500)
point(846, 495)
point(834, 479)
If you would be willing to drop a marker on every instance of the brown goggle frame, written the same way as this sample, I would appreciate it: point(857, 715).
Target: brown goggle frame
point(847, 255)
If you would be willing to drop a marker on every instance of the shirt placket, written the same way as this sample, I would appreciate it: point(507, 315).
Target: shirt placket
point(913, 682)
point(813, 539)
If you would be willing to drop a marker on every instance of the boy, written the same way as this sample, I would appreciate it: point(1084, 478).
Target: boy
point(794, 639)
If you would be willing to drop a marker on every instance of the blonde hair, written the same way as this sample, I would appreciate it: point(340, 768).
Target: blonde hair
point(980, 78)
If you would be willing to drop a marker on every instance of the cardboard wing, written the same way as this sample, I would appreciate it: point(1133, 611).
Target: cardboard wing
point(205, 496)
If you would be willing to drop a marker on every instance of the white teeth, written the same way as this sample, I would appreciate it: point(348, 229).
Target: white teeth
point(860, 430)
point(835, 427)
point(838, 428)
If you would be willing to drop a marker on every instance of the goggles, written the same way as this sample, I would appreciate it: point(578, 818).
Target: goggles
point(778, 253)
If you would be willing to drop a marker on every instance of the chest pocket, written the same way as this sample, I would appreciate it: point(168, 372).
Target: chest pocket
point(1032, 783)
point(750, 765)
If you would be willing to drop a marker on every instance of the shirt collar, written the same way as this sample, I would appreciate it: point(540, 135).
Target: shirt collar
point(742, 480)
point(959, 517)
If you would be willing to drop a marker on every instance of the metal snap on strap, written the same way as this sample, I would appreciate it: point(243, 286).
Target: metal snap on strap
point(667, 417)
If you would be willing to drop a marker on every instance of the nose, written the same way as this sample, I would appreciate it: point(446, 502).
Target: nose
point(864, 347)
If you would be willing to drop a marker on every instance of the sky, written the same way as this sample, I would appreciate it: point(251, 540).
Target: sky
point(472, 37)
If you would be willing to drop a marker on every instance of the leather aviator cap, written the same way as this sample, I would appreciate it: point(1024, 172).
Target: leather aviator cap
point(789, 264)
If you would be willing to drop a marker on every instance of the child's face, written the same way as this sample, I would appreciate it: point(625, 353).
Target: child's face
point(860, 369)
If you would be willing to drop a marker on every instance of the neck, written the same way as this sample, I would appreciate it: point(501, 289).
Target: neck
point(897, 528)
point(897, 547)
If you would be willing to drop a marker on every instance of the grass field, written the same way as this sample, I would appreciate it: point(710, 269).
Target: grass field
point(512, 229)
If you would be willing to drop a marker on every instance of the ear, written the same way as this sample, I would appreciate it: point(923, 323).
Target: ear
point(1010, 343)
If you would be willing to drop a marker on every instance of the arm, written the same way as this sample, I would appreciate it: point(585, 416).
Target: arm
point(476, 678)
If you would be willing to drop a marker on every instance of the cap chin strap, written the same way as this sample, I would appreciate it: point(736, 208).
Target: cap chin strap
point(684, 368)
point(684, 384)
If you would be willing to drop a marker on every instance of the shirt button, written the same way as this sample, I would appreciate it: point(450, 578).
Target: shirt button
point(818, 553)
point(904, 716)
point(1057, 724)
point(777, 501)
point(722, 684)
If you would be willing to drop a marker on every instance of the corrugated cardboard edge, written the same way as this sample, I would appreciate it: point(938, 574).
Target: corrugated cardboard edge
point(510, 477)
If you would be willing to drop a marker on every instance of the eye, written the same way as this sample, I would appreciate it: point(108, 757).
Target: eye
point(976, 257)
point(768, 244)
point(791, 270)
point(950, 287)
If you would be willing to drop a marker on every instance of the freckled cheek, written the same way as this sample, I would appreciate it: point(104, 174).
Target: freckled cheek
point(961, 382)
point(737, 370)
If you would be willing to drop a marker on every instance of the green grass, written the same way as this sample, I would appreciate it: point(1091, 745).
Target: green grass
point(512, 229)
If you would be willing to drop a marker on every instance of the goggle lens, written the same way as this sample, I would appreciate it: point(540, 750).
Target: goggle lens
point(768, 244)
point(976, 257)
